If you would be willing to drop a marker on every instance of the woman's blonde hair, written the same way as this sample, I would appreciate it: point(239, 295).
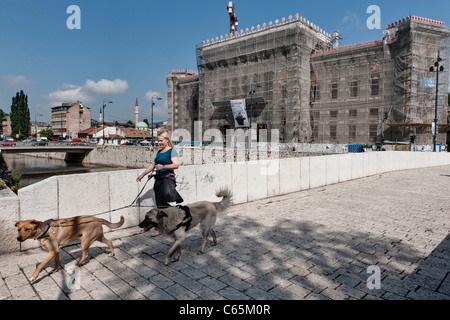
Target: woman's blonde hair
point(163, 133)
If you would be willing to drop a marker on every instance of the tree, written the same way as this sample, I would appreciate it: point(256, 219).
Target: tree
point(20, 116)
point(2, 114)
point(48, 133)
point(95, 123)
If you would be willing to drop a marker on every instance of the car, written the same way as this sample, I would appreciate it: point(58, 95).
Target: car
point(76, 141)
point(8, 143)
point(39, 143)
point(129, 144)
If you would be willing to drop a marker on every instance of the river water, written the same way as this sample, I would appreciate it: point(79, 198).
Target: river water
point(35, 169)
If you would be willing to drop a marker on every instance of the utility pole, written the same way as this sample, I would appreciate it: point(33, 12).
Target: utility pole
point(437, 68)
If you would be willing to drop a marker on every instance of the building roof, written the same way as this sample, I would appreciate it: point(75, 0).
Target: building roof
point(135, 133)
point(90, 130)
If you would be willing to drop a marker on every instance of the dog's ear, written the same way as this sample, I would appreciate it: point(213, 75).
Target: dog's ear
point(42, 229)
point(161, 214)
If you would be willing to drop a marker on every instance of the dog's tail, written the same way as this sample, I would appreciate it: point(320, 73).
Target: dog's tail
point(226, 202)
point(114, 225)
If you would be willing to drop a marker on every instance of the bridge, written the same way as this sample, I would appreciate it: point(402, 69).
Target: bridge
point(31, 149)
point(73, 153)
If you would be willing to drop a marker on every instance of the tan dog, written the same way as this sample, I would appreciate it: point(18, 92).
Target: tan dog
point(53, 234)
point(175, 222)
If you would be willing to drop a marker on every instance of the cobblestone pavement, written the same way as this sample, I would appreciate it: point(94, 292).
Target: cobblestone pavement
point(315, 244)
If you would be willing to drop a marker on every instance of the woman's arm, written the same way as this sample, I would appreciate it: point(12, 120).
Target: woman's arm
point(147, 171)
point(174, 165)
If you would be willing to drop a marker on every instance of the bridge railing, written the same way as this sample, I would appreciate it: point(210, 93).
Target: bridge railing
point(102, 192)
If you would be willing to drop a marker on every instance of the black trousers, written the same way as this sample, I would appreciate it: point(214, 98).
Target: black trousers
point(165, 192)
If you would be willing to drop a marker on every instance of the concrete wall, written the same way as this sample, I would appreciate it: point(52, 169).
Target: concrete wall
point(93, 193)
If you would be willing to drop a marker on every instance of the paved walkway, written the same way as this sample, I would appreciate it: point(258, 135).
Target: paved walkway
point(316, 244)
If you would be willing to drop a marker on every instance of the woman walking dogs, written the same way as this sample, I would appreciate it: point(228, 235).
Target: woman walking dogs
point(166, 161)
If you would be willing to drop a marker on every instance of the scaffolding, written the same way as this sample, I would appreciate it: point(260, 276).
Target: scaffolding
point(265, 64)
point(294, 80)
point(371, 91)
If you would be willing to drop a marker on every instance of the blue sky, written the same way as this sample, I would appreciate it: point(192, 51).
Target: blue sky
point(124, 49)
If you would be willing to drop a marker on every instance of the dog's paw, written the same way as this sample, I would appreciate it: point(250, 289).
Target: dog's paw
point(55, 270)
point(32, 279)
point(199, 252)
point(166, 262)
point(111, 255)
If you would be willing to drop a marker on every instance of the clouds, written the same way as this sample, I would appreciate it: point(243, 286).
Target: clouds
point(88, 92)
point(16, 80)
point(106, 86)
point(69, 93)
point(353, 20)
point(160, 108)
point(150, 94)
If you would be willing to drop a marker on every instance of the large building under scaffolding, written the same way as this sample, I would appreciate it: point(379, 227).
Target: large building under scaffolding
point(294, 77)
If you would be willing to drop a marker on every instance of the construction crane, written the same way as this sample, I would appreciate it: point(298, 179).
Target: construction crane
point(233, 17)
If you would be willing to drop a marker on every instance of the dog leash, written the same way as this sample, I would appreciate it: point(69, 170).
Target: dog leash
point(97, 214)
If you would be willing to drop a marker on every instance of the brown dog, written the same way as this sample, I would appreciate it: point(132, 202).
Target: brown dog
point(53, 234)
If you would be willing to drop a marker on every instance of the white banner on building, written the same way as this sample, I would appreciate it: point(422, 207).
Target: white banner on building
point(239, 113)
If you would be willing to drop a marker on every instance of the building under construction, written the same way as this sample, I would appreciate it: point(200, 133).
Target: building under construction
point(296, 78)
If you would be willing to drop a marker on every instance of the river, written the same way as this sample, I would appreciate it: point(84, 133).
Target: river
point(35, 169)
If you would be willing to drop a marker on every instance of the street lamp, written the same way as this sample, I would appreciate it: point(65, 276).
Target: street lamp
point(35, 122)
point(105, 102)
point(437, 68)
point(153, 103)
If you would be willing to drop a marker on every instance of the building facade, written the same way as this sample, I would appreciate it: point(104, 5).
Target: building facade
point(69, 119)
point(6, 126)
point(295, 78)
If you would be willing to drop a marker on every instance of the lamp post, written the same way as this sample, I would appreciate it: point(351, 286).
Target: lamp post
point(35, 122)
point(437, 68)
point(105, 102)
point(153, 103)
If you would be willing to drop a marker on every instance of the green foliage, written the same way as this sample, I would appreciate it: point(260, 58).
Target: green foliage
point(48, 133)
point(16, 177)
point(2, 114)
point(20, 116)
point(95, 123)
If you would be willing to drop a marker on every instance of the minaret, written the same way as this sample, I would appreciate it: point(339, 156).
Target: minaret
point(101, 116)
point(136, 113)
